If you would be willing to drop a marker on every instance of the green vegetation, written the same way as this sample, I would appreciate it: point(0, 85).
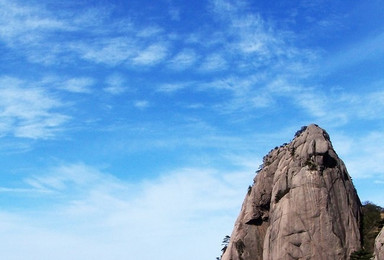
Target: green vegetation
point(292, 151)
point(370, 228)
point(249, 190)
point(302, 129)
point(240, 246)
point(311, 165)
point(280, 194)
point(361, 255)
point(225, 243)
point(371, 225)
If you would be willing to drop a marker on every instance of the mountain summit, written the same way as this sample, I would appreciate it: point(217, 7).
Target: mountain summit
point(302, 205)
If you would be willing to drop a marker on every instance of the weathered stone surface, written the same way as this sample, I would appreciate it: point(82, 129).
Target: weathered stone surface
point(379, 246)
point(302, 205)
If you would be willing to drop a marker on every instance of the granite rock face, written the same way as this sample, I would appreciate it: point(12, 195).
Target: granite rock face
point(302, 205)
point(379, 246)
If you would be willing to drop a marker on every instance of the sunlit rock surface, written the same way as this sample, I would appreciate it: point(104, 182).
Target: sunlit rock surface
point(379, 246)
point(302, 205)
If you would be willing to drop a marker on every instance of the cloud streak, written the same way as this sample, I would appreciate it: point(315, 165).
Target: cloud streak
point(133, 89)
point(78, 85)
point(183, 60)
point(151, 55)
point(38, 29)
point(114, 218)
point(29, 111)
point(115, 84)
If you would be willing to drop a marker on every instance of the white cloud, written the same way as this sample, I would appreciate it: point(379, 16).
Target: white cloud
point(250, 35)
point(121, 50)
point(343, 107)
point(244, 93)
point(151, 31)
point(26, 24)
point(12, 146)
point(42, 127)
point(141, 104)
point(115, 84)
point(183, 60)
point(371, 105)
point(225, 7)
point(261, 101)
point(18, 190)
point(28, 111)
point(363, 155)
point(254, 37)
point(78, 85)
point(310, 99)
point(261, 91)
point(172, 87)
point(313, 102)
point(367, 49)
point(50, 36)
point(101, 217)
point(111, 51)
point(32, 31)
point(68, 177)
point(152, 55)
point(213, 62)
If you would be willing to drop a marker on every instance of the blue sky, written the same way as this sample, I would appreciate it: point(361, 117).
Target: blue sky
point(132, 129)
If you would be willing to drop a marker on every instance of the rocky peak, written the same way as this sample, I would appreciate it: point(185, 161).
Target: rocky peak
point(302, 205)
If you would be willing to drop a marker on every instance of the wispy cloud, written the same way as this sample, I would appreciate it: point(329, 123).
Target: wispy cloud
point(152, 55)
point(50, 37)
point(367, 49)
point(141, 104)
point(337, 108)
point(221, 77)
point(248, 33)
point(371, 105)
point(111, 51)
point(130, 51)
point(70, 176)
point(173, 87)
point(115, 84)
point(30, 31)
point(363, 155)
point(19, 190)
point(77, 85)
point(29, 111)
point(262, 91)
point(150, 31)
point(214, 62)
point(183, 60)
point(26, 24)
point(110, 213)
point(258, 55)
point(255, 37)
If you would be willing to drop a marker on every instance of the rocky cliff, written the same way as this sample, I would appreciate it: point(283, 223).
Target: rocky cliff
point(302, 205)
point(379, 246)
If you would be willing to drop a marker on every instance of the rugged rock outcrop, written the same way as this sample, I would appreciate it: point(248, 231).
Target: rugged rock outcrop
point(379, 246)
point(302, 205)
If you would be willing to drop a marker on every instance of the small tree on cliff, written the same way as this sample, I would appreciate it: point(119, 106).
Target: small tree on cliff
point(225, 243)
